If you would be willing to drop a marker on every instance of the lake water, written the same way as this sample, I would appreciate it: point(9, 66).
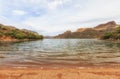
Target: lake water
point(60, 52)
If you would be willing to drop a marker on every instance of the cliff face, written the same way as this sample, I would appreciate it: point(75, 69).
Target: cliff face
point(10, 33)
point(7, 39)
point(95, 32)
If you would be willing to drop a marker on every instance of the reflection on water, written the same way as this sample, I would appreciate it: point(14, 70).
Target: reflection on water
point(60, 51)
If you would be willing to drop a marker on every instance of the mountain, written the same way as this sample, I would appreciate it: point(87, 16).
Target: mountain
point(95, 32)
point(107, 26)
point(11, 33)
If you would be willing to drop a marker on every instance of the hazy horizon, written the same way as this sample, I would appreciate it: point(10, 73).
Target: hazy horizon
point(51, 17)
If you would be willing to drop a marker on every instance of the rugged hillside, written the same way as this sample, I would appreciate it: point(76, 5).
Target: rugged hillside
point(10, 33)
point(107, 26)
point(87, 33)
point(114, 35)
point(95, 32)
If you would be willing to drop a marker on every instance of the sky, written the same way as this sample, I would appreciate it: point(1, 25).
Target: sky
point(51, 17)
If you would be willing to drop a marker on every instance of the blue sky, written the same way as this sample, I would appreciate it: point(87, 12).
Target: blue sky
point(51, 17)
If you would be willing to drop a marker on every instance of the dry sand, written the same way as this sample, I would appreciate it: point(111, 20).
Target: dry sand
point(66, 73)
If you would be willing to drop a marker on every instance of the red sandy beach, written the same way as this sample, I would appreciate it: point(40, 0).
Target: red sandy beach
point(64, 73)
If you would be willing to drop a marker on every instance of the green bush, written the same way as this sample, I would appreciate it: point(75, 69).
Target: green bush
point(112, 35)
point(116, 36)
point(117, 30)
point(23, 35)
point(107, 35)
point(1, 34)
point(17, 33)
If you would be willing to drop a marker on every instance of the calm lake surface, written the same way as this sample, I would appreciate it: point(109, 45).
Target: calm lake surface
point(60, 52)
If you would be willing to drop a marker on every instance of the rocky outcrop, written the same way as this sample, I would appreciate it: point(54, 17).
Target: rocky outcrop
point(95, 32)
point(7, 39)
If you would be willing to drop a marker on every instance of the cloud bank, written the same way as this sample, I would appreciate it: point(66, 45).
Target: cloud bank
point(50, 17)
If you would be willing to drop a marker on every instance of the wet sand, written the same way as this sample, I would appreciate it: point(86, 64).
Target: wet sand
point(63, 73)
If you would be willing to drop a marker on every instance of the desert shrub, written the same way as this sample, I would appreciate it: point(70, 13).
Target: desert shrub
point(112, 35)
point(116, 36)
point(107, 35)
point(117, 30)
point(18, 34)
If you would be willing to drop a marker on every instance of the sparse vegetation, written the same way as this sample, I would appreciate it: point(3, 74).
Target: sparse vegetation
point(17, 33)
point(107, 35)
point(115, 35)
point(95, 32)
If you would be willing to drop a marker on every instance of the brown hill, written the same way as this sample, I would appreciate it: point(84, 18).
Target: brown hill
point(107, 26)
point(81, 30)
point(95, 32)
point(11, 33)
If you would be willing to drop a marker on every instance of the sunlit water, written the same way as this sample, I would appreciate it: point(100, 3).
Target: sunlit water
point(59, 52)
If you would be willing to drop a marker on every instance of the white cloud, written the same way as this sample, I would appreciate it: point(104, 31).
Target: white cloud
point(61, 20)
point(59, 15)
point(56, 3)
point(19, 12)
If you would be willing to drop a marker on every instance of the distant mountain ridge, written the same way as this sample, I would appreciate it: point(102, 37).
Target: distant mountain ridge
point(107, 26)
point(11, 33)
point(95, 32)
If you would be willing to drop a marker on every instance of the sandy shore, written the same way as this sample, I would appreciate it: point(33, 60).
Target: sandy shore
point(66, 73)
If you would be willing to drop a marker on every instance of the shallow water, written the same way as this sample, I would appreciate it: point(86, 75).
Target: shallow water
point(59, 52)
